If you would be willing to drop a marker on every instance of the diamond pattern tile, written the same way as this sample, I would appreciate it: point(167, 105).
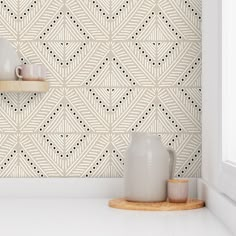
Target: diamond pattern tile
point(114, 67)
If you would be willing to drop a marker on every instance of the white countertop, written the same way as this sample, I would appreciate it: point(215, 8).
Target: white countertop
point(89, 217)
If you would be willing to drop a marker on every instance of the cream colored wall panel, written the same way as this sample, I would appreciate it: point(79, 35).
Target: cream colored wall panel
point(114, 67)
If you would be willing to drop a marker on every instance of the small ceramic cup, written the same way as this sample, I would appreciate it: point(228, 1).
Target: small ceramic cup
point(31, 72)
point(178, 190)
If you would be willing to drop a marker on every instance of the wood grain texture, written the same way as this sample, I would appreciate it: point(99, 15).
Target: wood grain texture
point(177, 180)
point(121, 203)
point(24, 86)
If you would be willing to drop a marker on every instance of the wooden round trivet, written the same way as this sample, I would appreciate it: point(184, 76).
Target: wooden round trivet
point(121, 203)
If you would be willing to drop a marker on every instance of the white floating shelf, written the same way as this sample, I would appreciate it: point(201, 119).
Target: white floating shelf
point(24, 86)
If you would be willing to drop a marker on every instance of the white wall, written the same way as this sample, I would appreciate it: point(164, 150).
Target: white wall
point(209, 188)
point(211, 90)
point(69, 188)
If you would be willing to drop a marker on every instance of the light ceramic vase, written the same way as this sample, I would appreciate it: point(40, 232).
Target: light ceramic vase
point(8, 61)
point(148, 166)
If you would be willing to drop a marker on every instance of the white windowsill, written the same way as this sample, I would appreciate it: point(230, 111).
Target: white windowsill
point(219, 204)
point(60, 217)
point(77, 206)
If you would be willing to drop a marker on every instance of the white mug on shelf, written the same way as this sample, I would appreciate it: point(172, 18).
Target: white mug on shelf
point(31, 72)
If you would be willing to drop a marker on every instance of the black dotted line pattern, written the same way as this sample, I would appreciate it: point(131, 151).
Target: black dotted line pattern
point(23, 61)
point(8, 9)
point(27, 103)
point(75, 146)
point(55, 149)
point(78, 51)
point(121, 160)
point(55, 20)
point(7, 161)
point(191, 161)
point(99, 100)
point(192, 101)
point(172, 141)
point(143, 26)
point(53, 55)
point(145, 114)
point(125, 96)
point(51, 25)
point(177, 34)
point(119, 66)
point(28, 9)
point(150, 60)
point(171, 50)
point(190, 70)
point(193, 10)
point(77, 117)
point(166, 113)
point(58, 60)
point(97, 72)
point(78, 26)
point(56, 111)
point(166, 21)
point(12, 105)
point(8, 101)
point(100, 9)
point(120, 10)
point(39, 173)
point(93, 168)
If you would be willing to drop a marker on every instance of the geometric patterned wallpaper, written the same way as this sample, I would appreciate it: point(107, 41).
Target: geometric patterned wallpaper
point(115, 67)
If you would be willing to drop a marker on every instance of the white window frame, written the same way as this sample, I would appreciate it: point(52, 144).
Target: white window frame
point(227, 173)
